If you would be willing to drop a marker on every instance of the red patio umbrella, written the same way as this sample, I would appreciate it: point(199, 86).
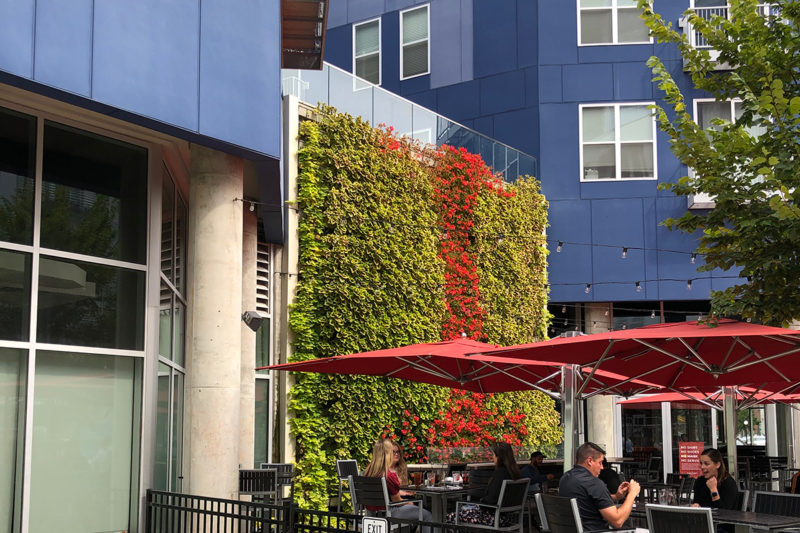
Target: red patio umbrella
point(459, 364)
point(745, 397)
point(681, 355)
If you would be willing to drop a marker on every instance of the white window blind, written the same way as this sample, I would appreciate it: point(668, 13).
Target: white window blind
point(414, 41)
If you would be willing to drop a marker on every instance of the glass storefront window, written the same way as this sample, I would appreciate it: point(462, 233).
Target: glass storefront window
point(691, 422)
point(17, 164)
point(15, 295)
point(642, 433)
point(161, 467)
point(88, 304)
point(85, 442)
point(13, 365)
point(94, 195)
point(177, 431)
point(261, 427)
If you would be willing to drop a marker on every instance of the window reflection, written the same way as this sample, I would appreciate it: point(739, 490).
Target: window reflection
point(87, 304)
point(15, 295)
point(13, 365)
point(17, 156)
point(94, 195)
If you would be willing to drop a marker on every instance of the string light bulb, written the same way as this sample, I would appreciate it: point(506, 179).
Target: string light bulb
point(693, 259)
point(652, 314)
point(565, 321)
point(625, 253)
point(689, 285)
point(252, 206)
point(563, 308)
point(638, 287)
point(560, 245)
point(588, 288)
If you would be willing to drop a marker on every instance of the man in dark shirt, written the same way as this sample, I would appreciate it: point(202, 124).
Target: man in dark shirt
point(595, 504)
point(532, 472)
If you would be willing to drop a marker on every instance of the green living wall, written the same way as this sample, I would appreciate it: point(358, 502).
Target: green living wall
point(401, 244)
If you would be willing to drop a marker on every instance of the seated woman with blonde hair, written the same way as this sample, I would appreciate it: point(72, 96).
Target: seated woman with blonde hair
point(381, 466)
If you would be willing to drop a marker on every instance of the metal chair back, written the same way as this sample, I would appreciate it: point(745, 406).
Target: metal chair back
point(344, 469)
point(672, 519)
point(261, 482)
point(779, 503)
point(561, 514)
point(285, 472)
point(742, 499)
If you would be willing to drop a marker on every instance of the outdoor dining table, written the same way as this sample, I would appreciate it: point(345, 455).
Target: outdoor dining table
point(439, 494)
point(743, 520)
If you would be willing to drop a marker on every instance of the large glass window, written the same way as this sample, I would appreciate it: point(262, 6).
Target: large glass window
point(15, 295)
point(88, 304)
point(367, 51)
point(172, 327)
point(691, 422)
point(414, 29)
point(617, 142)
point(642, 437)
point(13, 365)
point(94, 195)
point(17, 164)
point(709, 113)
point(611, 22)
point(85, 442)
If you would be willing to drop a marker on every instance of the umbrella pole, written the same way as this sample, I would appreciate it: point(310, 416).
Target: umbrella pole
point(569, 414)
point(729, 414)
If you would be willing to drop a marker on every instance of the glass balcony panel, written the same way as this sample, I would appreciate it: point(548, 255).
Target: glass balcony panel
point(637, 160)
point(500, 163)
point(425, 124)
point(394, 112)
point(596, 27)
point(599, 162)
point(636, 123)
point(630, 27)
point(351, 95)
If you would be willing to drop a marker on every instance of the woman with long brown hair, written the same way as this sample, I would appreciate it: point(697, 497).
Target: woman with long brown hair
point(505, 467)
point(714, 487)
point(381, 466)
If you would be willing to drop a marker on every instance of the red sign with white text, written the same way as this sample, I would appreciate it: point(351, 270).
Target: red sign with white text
point(689, 457)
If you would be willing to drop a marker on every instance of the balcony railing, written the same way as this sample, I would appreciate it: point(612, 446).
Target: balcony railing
point(709, 13)
point(348, 94)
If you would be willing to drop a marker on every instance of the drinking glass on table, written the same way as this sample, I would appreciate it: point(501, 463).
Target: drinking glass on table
point(416, 478)
point(456, 476)
point(430, 479)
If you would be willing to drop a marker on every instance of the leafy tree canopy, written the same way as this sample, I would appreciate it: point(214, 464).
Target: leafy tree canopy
point(750, 166)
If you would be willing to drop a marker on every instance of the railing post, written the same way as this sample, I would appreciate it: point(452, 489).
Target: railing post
point(148, 512)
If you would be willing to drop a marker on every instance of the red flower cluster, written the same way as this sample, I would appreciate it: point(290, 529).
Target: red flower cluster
point(459, 179)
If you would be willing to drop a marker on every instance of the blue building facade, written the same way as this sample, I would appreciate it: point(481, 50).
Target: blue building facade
point(140, 194)
point(564, 82)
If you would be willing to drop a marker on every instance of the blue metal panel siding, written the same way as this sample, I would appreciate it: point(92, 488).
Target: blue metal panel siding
point(339, 47)
point(145, 58)
point(558, 32)
point(64, 45)
point(558, 146)
point(518, 129)
point(588, 82)
point(527, 34)
point(505, 92)
point(141, 61)
point(495, 36)
point(240, 69)
point(16, 37)
point(447, 42)
point(390, 53)
point(632, 81)
point(459, 102)
point(550, 84)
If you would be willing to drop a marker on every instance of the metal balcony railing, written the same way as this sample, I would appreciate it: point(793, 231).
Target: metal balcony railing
point(340, 89)
point(709, 13)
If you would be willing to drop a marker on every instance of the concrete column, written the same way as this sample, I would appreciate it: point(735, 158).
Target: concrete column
point(287, 279)
point(600, 423)
point(215, 298)
point(248, 383)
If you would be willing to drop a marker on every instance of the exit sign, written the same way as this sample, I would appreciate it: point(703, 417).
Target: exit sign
point(370, 524)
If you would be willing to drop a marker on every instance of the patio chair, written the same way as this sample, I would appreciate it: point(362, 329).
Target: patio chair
point(372, 492)
point(513, 499)
point(261, 483)
point(543, 526)
point(672, 519)
point(344, 469)
point(686, 490)
point(742, 499)
point(479, 480)
point(562, 516)
point(760, 477)
point(285, 472)
point(779, 503)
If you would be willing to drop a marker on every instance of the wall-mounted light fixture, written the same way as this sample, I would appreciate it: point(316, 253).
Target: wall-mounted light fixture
point(253, 319)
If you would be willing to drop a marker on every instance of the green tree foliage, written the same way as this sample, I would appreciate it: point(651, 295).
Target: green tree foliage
point(755, 226)
point(370, 278)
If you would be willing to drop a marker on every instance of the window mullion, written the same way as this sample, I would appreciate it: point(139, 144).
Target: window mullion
point(614, 23)
point(617, 143)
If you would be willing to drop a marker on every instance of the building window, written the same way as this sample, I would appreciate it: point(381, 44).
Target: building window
point(367, 50)
point(617, 142)
point(414, 49)
point(610, 22)
point(706, 111)
point(262, 442)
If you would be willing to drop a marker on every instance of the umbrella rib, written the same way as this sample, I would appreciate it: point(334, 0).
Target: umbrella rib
point(435, 371)
point(524, 382)
point(596, 365)
point(693, 351)
point(727, 355)
point(677, 358)
point(766, 359)
point(758, 356)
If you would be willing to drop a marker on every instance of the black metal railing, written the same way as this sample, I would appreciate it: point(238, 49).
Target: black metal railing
point(170, 512)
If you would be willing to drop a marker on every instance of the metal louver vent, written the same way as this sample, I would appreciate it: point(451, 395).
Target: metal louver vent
point(263, 259)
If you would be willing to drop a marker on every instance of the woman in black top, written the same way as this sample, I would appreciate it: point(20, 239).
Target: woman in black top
point(505, 467)
point(715, 488)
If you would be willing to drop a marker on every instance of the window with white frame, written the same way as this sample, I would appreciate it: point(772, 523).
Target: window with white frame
point(610, 22)
point(367, 50)
point(414, 49)
point(617, 141)
point(707, 110)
